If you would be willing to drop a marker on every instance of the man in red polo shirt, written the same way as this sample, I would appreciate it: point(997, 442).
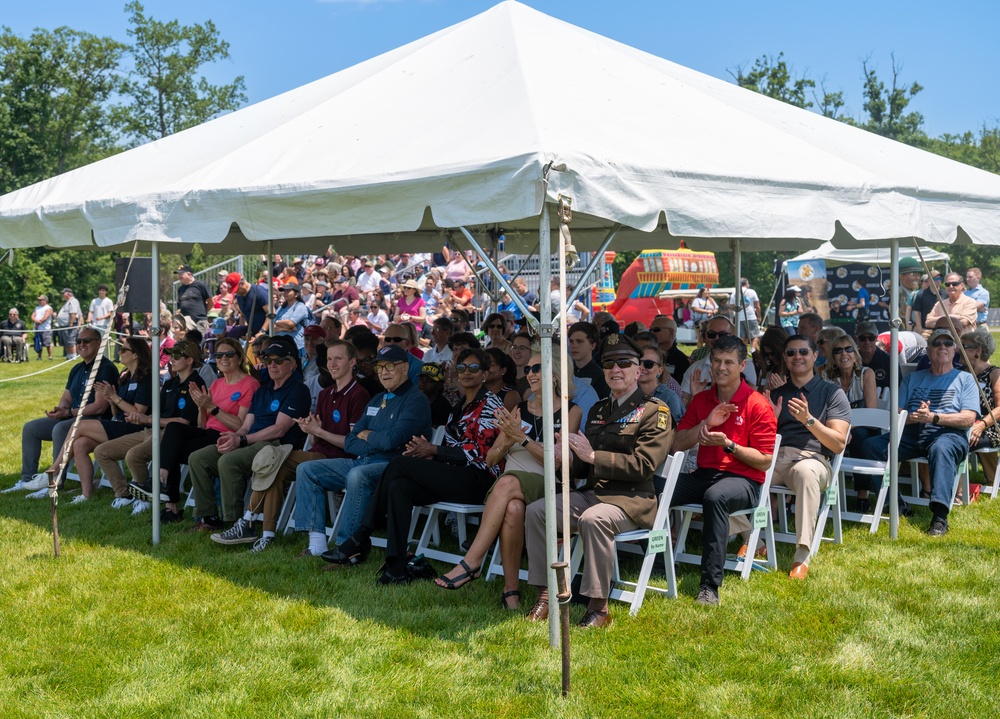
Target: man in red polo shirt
point(735, 428)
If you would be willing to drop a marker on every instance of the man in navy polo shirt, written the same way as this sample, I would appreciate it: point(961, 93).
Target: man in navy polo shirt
point(271, 420)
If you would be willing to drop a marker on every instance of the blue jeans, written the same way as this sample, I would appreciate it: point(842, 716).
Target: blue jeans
point(943, 455)
point(357, 477)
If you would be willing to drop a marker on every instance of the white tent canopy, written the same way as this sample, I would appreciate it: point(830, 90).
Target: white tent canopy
point(873, 255)
point(456, 129)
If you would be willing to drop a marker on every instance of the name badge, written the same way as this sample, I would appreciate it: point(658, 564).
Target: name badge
point(372, 411)
point(133, 386)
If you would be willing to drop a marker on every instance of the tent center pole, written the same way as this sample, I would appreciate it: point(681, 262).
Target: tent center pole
point(154, 403)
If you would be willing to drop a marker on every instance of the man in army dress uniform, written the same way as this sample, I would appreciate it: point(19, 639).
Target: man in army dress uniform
point(626, 439)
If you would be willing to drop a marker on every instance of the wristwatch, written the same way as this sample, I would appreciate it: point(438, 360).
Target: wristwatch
point(811, 421)
point(936, 418)
point(215, 411)
point(524, 442)
point(243, 441)
point(730, 448)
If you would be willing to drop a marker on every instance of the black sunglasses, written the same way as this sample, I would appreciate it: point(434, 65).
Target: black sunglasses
point(952, 284)
point(866, 338)
point(276, 360)
point(791, 352)
point(712, 334)
point(473, 368)
point(621, 364)
point(495, 327)
point(943, 343)
point(394, 339)
point(228, 355)
point(840, 350)
point(87, 341)
point(533, 368)
point(648, 364)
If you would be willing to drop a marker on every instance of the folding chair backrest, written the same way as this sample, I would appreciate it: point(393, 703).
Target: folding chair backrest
point(883, 398)
point(670, 470)
point(766, 487)
point(876, 418)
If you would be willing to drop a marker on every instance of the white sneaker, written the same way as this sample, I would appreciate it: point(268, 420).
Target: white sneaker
point(39, 494)
point(37, 481)
point(261, 544)
point(79, 499)
point(138, 506)
point(120, 502)
point(18, 486)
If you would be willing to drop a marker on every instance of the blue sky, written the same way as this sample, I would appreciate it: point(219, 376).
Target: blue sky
point(949, 48)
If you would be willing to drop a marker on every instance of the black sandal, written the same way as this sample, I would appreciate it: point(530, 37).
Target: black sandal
point(468, 575)
point(511, 593)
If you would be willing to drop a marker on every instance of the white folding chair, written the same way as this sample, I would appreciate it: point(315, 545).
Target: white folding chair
point(878, 419)
point(883, 398)
point(782, 534)
point(657, 540)
point(961, 480)
point(991, 485)
point(760, 516)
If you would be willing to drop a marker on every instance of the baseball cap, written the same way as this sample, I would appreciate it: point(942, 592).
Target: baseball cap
point(315, 331)
point(183, 268)
point(432, 371)
point(866, 328)
point(67, 289)
point(291, 286)
point(186, 348)
point(392, 353)
point(233, 279)
point(940, 332)
point(278, 349)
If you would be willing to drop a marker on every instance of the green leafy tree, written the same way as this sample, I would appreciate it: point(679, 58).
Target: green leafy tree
point(886, 106)
point(771, 76)
point(164, 93)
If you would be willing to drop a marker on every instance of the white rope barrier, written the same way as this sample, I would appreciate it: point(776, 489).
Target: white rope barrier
point(41, 371)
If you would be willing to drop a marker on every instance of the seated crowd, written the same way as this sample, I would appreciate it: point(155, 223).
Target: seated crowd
point(344, 392)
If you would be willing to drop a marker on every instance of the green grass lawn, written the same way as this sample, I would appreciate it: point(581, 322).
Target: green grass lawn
point(118, 628)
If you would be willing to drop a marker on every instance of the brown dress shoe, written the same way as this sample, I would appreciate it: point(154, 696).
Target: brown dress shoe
point(799, 571)
point(596, 619)
point(539, 612)
point(759, 554)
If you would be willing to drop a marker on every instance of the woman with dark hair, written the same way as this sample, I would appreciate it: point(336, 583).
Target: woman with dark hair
point(980, 346)
point(222, 408)
point(703, 306)
point(462, 469)
point(495, 325)
point(769, 360)
point(521, 347)
point(502, 376)
point(133, 394)
point(789, 309)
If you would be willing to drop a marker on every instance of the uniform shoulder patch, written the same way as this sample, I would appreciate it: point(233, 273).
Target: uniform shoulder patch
point(662, 417)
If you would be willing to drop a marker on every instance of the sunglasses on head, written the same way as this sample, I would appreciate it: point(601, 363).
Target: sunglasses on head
point(943, 343)
point(840, 350)
point(620, 363)
point(228, 355)
point(712, 334)
point(648, 364)
point(792, 351)
point(533, 369)
point(866, 338)
point(472, 368)
point(276, 360)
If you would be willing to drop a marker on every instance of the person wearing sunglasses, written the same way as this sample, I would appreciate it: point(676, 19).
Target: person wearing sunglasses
point(734, 428)
point(521, 483)
point(665, 329)
point(402, 336)
point(769, 359)
point(461, 469)
point(136, 448)
point(496, 331)
point(651, 374)
point(813, 420)
point(626, 438)
point(872, 356)
point(699, 375)
point(942, 405)
point(270, 421)
point(55, 425)
point(956, 305)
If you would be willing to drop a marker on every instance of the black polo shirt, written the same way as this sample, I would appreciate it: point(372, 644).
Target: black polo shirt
point(593, 372)
point(826, 401)
point(677, 362)
point(880, 366)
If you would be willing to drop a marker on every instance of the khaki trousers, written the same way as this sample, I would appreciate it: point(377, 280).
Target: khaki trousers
point(136, 449)
point(597, 524)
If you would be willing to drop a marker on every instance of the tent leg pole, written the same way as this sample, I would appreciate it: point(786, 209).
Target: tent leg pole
point(548, 407)
point(154, 403)
point(894, 324)
point(270, 288)
point(491, 266)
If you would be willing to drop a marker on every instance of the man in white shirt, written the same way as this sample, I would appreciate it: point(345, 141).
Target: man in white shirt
point(699, 375)
point(368, 281)
point(750, 305)
point(439, 350)
point(68, 321)
point(101, 309)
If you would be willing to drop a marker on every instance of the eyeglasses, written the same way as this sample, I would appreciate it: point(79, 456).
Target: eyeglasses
point(520, 348)
point(533, 369)
point(943, 343)
point(394, 340)
point(840, 350)
point(969, 348)
point(952, 284)
point(648, 364)
point(470, 368)
point(820, 343)
point(712, 334)
point(386, 366)
point(126, 348)
point(791, 352)
point(88, 340)
point(228, 355)
point(621, 364)
point(276, 360)
point(866, 338)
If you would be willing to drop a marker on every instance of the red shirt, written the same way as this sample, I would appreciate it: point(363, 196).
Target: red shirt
point(753, 424)
point(338, 411)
